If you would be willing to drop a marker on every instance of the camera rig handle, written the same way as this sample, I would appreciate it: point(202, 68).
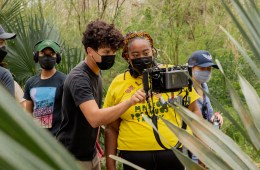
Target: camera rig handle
point(146, 83)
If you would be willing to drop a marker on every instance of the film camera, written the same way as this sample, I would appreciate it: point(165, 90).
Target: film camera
point(169, 79)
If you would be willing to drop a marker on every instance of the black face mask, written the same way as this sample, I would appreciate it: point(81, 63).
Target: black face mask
point(139, 64)
point(107, 61)
point(47, 62)
point(3, 53)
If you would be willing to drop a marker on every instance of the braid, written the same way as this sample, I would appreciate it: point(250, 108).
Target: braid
point(132, 35)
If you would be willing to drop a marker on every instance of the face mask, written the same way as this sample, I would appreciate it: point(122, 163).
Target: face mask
point(139, 64)
point(202, 76)
point(107, 61)
point(47, 62)
point(3, 53)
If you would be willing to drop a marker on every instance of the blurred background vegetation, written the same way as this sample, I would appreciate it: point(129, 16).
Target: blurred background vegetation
point(178, 28)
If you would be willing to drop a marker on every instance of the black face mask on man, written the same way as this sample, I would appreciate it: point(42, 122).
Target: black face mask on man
point(3, 53)
point(107, 61)
point(47, 62)
point(139, 64)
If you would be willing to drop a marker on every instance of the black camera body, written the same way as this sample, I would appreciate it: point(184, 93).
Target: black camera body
point(169, 79)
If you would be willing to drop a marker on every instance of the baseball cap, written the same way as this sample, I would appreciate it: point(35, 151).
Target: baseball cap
point(48, 43)
point(5, 35)
point(201, 58)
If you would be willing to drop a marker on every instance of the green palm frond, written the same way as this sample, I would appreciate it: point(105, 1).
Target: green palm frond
point(24, 145)
point(30, 31)
point(9, 10)
point(70, 58)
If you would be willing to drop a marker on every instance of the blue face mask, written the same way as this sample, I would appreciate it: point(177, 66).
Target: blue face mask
point(202, 76)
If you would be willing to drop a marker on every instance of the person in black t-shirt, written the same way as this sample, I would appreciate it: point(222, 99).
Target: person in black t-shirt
point(43, 92)
point(82, 97)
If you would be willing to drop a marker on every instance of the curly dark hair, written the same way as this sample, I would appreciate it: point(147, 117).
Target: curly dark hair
point(99, 34)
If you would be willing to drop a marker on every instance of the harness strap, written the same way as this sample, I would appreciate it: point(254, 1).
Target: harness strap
point(156, 135)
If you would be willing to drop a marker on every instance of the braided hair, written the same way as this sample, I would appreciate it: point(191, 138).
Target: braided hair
point(128, 39)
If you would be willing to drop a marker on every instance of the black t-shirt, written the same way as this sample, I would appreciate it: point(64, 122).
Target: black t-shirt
point(46, 95)
point(75, 133)
point(7, 80)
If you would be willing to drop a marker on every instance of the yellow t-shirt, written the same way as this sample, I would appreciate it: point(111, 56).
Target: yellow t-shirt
point(134, 133)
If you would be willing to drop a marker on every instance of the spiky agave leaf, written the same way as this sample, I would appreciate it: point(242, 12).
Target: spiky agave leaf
point(24, 136)
point(252, 100)
point(223, 145)
point(243, 113)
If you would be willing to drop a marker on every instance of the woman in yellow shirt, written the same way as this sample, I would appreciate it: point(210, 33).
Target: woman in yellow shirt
point(130, 134)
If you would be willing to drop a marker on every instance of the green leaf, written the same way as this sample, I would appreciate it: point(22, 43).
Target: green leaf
point(125, 162)
point(252, 100)
point(16, 123)
point(185, 160)
point(245, 117)
point(215, 139)
point(242, 26)
point(204, 153)
point(17, 156)
point(243, 113)
point(243, 52)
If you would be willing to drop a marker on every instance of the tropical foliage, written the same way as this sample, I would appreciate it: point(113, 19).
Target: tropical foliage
point(178, 28)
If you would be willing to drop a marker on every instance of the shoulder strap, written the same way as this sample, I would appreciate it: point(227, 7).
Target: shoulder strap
point(156, 135)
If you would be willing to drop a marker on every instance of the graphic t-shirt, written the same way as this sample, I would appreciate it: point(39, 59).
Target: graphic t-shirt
point(134, 133)
point(46, 95)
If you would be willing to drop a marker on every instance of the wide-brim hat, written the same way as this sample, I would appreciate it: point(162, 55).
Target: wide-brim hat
point(5, 35)
point(201, 58)
point(48, 43)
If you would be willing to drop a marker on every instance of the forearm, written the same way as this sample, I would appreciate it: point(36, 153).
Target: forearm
point(28, 105)
point(110, 147)
point(110, 114)
point(97, 117)
point(195, 108)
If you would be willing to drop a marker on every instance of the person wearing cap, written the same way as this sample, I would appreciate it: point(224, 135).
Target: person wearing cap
point(202, 63)
point(6, 78)
point(43, 92)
